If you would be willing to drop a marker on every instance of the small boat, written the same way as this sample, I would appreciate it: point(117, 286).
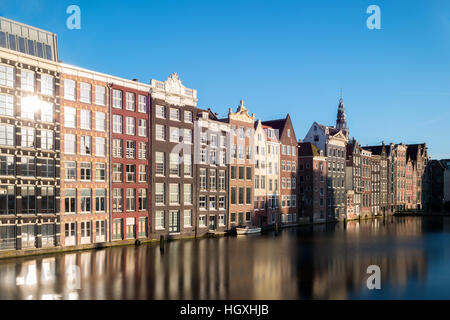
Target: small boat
point(248, 230)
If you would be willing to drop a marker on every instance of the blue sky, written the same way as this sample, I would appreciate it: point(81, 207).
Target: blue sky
point(279, 56)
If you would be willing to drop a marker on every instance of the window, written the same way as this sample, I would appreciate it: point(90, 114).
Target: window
point(131, 126)
point(7, 76)
point(85, 145)
point(142, 173)
point(212, 202)
point(100, 147)
point(6, 105)
point(188, 165)
point(46, 139)
point(117, 99)
point(142, 227)
point(233, 195)
point(117, 124)
point(233, 217)
point(221, 220)
point(142, 106)
point(174, 221)
point(187, 136)
point(85, 171)
point(48, 235)
point(131, 150)
point(142, 151)
point(117, 200)
point(131, 199)
point(27, 80)
point(160, 132)
point(100, 121)
point(7, 200)
point(28, 137)
point(47, 168)
point(117, 148)
point(70, 171)
point(28, 108)
point(142, 128)
point(202, 202)
point(29, 236)
point(187, 216)
point(100, 172)
point(28, 199)
point(69, 89)
point(188, 194)
point(174, 166)
point(142, 199)
point(131, 101)
point(160, 112)
point(70, 201)
point(85, 232)
point(203, 179)
point(222, 202)
point(100, 231)
point(222, 180)
point(212, 179)
point(241, 195)
point(85, 92)
point(241, 173)
point(174, 114)
point(202, 221)
point(70, 117)
point(174, 193)
point(159, 220)
point(117, 229)
point(117, 172)
point(174, 134)
point(160, 163)
point(130, 173)
point(188, 116)
point(248, 173)
point(7, 166)
point(248, 196)
point(47, 199)
point(159, 193)
point(100, 95)
point(28, 167)
point(69, 144)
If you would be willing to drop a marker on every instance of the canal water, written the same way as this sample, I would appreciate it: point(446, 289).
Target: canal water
point(316, 262)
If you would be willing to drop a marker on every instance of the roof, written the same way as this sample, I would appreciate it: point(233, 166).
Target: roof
point(308, 149)
point(377, 150)
point(412, 150)
point(276, 124)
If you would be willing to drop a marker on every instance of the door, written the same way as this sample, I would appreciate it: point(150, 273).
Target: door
point(70, 234)
point(241, 218)
point(174, 221)
point(212, 223)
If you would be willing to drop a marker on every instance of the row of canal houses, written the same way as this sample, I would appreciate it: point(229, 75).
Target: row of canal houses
point(88, 158)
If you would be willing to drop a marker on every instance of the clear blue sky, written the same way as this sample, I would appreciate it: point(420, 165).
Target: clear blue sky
point(279, 56)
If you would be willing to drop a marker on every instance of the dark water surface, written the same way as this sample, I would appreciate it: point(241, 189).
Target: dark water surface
point(319, 262)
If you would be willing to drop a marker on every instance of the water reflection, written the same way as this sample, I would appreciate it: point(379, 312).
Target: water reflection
point(317, 262)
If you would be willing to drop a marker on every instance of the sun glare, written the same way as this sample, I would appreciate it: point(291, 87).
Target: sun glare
point(31, 104)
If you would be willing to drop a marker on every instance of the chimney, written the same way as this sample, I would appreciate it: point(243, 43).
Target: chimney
point(135, 80)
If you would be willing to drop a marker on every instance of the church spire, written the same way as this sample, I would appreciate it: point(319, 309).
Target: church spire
point(341, 121)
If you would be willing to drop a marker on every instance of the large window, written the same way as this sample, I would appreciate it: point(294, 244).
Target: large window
point(117, 99)
point(174, 114)
point(27, 137)
point(86, 200)
point(174, 164)
point(85, 92)
point(131, 172)
point(142, 199)
point(160, 132)
point(48, 235)
point(70, 90)
point(174, 134)
point(174, 221)
point(70, 201)
point(47, 168)
point(86, 119)
point(142, 104)
point(131, 101)
point(100, 147)
point(100, 121)
point(47, 199)
point(6, 105)
point(159, 193)
point(100, 172)
point(131, 199)
point(7, 76)
point(160, 163)
point(6, 135)
point(70, 117)
point(212, 179)
point(142, 151)
point(70, 144)
point(86, 171)
point(160, 112)
point(29, 233)
point(28, 167)
point(46, 139)
point(7, 237)
point(202, 178)
point(117, 172)
point(130, 150)
point(100, 95)
point(85, 145)
point(117, 200)
point(117, 124)
point(100, 200)
point(131, 126)
point(222, 180)
point(142, 227)
point(70, 170)
point(142, 173)
point(187, 216)
point(159, 220)
point(174, 190)
point(27, 80)
point(188, 193)
point(7, 166)
point(7, 200)
point(187, 165)
point(142, 127)
point(28, 200)
point(117, 229)
point(47, 112)
point(117, 148)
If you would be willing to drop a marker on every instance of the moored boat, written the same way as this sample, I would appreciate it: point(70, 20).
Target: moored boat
point(248, 230)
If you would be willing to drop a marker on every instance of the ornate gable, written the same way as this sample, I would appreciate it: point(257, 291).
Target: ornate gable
point(241, 114)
